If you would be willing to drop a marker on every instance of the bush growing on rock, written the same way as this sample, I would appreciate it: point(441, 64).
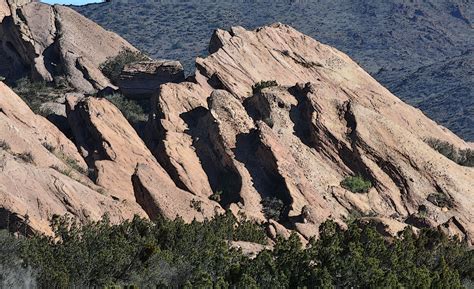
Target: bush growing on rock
point(131, 110)
point(35, 93)
point(113, 66)
point(356, 184)
point(257, 87)
point(463, 157)
point(272, 208)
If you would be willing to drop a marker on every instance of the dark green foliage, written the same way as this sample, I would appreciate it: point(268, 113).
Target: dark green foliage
point(216, 196)
point(463, 157)
point(272, 208)
point(27, 157)
point(113, 66)
point(37, 93)
point(132, 111)
point(4, 145)
point(440, 200)
point(197, 255)
point(257, 87)
point(356, 184)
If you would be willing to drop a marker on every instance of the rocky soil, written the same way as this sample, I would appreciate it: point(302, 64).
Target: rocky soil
point(216, 142)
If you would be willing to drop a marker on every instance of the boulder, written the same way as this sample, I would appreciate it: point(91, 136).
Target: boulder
point(142, 80)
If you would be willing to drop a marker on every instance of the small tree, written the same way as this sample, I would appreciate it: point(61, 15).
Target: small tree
point(257, 87)
point(272, 208)
point(356, 184)
point(113, 66)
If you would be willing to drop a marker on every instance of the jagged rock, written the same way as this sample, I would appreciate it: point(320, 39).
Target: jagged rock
point(125, 167)
point(158, 196)
point(44, 42)
point(141, 80)
point(41, 173)
point(327, 120)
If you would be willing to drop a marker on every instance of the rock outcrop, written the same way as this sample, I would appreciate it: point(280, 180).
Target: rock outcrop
point(276, 152)
point(50, 43)
point(42, 174)
point(296, 142)
point(143, 79)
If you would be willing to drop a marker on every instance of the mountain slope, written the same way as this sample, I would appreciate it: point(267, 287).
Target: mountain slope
point(390, 39)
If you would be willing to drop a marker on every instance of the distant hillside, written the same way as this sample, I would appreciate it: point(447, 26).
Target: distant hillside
point(394, 40)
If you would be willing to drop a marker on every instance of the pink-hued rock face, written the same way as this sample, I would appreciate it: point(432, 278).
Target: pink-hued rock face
point(326, 120)
point(214, 143)
point(46, 41)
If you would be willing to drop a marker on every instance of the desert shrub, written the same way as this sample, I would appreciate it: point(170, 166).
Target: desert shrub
point(356, 184)
point(4, 145)
point(131, 110)
point(272, 208)
point(463, 157)
point(172, 253)
point(216, 196)
point(70, 162)
point(113, 66)
point(196, 204)
point(441, 200)
point(27, 157)
point(257, 87)
point(35, 93)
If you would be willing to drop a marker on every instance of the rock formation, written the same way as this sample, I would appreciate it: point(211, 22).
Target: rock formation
point(50, 43)
point(143, 79)
point(219, 141)
point(326, 120)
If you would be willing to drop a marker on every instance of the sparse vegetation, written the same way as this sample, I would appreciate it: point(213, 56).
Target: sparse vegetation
point(441, 200)
point(356, 184)
point(216, 196)
point(112, 67)
point(131, 110)
point(27, 157)
point(463, 157)
point(66, 172)
point(196, 204)
point(272, 208)
point(70, 162)
point(4, 145)
point(39, 92)
point(257, 87)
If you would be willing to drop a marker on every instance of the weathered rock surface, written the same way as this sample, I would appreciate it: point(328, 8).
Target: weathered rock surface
point(143, 79)
point(46, 42)
point(327, 120)
point(216, 143)
point(124, 166)
point(41, 173)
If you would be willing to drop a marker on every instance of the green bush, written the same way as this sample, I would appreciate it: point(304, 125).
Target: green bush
point(273, 208)
point(257, 87)
point(463, 157)
point(4, 145)
point(131, 110)
point(166, 253)
point(113, 66)
point(441, 200)
point(39, 92)
point(356, 184)
point(27, 157)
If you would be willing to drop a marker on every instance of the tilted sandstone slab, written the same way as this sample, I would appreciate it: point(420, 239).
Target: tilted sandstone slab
point(298, 142)
point(46, 42)
point(124, 166)
point(42, 174)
